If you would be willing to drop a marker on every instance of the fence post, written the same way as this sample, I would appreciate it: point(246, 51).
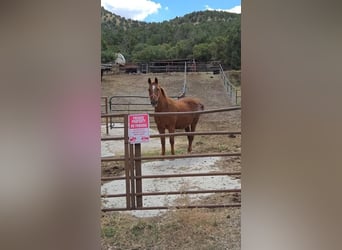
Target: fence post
point(236, 96)
point(132, 175)
point(127, 163)
point(137, 164)
point(105, 105)
point(107, 126)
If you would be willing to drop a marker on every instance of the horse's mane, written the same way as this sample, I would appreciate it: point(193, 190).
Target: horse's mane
point(163, 92)
point(182, 99)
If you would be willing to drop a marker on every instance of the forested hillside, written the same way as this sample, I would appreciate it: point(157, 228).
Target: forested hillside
point(203, 36)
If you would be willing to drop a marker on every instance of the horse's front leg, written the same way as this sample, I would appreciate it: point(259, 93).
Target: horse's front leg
point(172, 141)
point(162, 139)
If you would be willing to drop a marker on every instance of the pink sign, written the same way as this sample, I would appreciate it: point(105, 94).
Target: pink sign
point(138, 128)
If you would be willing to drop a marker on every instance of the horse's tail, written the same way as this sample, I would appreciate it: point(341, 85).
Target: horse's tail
point(201, 106)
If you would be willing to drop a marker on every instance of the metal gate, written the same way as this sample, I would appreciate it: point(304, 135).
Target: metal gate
point(133, 163)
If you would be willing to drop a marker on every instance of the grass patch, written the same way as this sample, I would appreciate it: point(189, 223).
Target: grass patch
point(235, 77)
point(177, 229)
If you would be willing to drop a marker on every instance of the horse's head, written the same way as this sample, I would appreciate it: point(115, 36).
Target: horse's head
point(154, 91)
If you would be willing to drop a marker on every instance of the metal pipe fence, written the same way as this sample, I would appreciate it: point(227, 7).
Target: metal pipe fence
point(233, 92)
point(133, 166)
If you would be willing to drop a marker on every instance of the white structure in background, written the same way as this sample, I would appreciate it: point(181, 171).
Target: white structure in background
point(113, 67)
point(120, 59)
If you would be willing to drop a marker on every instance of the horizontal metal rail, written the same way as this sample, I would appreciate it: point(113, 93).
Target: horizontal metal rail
point(161, 157)
point(112, 138)
point(133, 107)
point(113, 195)
point(113, 178)
point(189, 192)
point(126, 100)
point(180, 113)
point(116, 138)
point(175, 193)
point(173, 176)
point(128, 96)
point(236, 205)
point(133, 104)
point(196, 112)
point(188, 175)
point(110, 158)
point(197, 133)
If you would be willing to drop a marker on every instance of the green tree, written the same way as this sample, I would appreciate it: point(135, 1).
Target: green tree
point(204, 35)
point(202, 52)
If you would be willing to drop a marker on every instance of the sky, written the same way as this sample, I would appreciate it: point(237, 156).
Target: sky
point(164, 10)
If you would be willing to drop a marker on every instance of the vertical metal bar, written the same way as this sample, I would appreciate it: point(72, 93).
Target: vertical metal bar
point(106, 109)
point(236, 96)
point(185, 70)
point(132, 175)
point(127, 163)
point(137, 164)
point(184, 84)
point(110, 110)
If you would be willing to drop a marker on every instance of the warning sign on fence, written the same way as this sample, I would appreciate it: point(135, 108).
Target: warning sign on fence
point(138, 128)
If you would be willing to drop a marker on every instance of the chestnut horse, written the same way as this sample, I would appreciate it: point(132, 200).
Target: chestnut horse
point(162, 103)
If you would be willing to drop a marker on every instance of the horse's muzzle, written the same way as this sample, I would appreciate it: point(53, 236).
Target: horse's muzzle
point(154, 103)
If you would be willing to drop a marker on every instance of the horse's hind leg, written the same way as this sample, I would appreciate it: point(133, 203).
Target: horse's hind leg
point(192, 128)
point(190, 139)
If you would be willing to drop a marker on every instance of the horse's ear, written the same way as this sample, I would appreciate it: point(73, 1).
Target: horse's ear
point(149, 80)
point(156, 80)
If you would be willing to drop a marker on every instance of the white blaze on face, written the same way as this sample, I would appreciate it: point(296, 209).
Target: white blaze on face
point(153, 101)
